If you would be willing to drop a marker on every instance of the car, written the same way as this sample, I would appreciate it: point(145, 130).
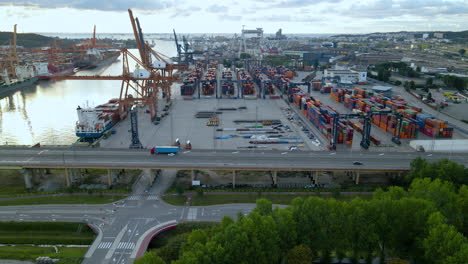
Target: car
point(357, 163)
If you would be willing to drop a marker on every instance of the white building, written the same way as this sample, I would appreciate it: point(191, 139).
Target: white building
point(346, 76)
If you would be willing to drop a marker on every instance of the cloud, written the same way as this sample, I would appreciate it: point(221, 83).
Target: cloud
point(299, 3)
point(286, 18)
point(416, 8)
point(217, 9)
point(103, 5)
point(185, 12)
point(230, 17)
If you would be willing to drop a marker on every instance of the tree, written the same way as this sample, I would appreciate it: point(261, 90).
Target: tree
point(244, 56)
point(397, 82)
point(429, 82)
point(149, 258)
point(316, 64)
point(442, 243)
point(462, 52)
point(300, 254)
point(412, 85)
point(264, 207)
point(441, 194)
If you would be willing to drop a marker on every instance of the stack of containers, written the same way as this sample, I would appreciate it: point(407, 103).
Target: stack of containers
point(413, 119)
point(208, 87)
point(191, 81)
point(321, 116)
point(316, 85)
point(248, 87)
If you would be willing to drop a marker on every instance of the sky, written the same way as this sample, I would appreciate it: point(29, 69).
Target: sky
point(220, 16)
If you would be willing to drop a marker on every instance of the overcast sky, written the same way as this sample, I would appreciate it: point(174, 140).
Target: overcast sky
point(210, 16)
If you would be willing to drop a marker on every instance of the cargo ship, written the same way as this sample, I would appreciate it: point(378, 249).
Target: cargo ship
point(25, 78)
point(45, 71)
point(95, 58)
point(94, 122)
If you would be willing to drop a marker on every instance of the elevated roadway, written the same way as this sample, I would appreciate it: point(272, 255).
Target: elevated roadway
point(208, 159)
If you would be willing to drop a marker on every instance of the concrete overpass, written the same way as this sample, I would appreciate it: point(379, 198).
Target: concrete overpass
point(76, 158)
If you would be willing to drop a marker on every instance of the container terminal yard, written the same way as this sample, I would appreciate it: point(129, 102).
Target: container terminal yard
point(228, 113)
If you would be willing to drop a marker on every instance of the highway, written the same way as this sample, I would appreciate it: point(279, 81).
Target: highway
point(207, 159)
point(124, 224)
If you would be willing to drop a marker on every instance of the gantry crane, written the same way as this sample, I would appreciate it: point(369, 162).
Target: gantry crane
point(183, 50)
point(145, 82)
point(11, 60)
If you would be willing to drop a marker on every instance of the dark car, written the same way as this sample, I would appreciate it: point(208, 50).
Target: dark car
point(357, 163)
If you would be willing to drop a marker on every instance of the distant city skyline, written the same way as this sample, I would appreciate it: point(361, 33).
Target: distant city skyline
point(188, 16)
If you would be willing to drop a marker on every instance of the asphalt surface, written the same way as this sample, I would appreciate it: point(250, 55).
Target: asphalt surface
point(199, 159)
point(120, 225)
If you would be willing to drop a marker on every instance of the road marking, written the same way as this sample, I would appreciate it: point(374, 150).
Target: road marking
point(429, 155)
point(284, 153)
point(182, 215)
point(41, 152)
point(185, 152)
point(381, 154)
point(105, 245)
point(192, 214)
point(116, 242)
point(153, 197)
point(235, 152)
point(126, 245)
point(134, 197)
point(334, 153)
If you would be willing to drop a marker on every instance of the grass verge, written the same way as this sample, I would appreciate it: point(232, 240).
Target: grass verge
point(45, 233)
point(212, 199)
point(65, 199)
point(67, 255)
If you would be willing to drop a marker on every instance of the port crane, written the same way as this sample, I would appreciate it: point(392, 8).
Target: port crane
point(140, 87)
point(366, 130)
point(183, 50)
point(11, 61)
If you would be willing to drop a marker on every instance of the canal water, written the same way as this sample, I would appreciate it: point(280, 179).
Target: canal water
point(46, 112)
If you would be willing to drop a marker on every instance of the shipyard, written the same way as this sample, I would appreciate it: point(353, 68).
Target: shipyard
point(132, 136)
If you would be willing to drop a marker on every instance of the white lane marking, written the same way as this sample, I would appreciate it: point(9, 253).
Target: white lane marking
point(185, 152)
point(192, 214)
point(41, 152)
point(235, 152)
point(105, 245)
point(284, 153)
point(429, 155)
point(381, 154)
point(116, 242)
point(334, 153)
point(153, 197)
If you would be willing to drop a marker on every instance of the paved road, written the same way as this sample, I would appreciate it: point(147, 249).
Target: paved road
point(123, 223)
point(247, 159)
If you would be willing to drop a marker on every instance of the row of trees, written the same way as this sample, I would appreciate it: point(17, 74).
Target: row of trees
point(424, 224)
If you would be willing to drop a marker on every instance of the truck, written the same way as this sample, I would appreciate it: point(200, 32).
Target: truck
point(164, 150)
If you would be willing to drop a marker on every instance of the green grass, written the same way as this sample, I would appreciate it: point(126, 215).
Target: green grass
point(45, 233)
point(66, 255)
point(66, 199)
point(212, 199)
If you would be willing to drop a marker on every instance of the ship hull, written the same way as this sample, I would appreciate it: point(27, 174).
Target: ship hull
point(92, 64)
point(67, 71)
point(6, 89)
point(92, 135)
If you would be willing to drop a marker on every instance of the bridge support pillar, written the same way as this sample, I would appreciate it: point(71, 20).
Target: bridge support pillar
point(111, 176)
point(27, 178)
point(316, 177)
point(192, 176)
point(154, 173)
point(67, 178)
point(274, 176)
point(357, 177)
point(233, 179)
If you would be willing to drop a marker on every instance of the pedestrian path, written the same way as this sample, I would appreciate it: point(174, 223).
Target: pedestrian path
point(153, 197)
point(105, 245)
point(126, 245)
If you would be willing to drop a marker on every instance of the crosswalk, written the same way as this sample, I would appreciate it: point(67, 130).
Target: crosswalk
point(122, 245)
point(126, 245)
point(153, 197)
point(140, 197)
point(105, 245)
point(192, 214)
